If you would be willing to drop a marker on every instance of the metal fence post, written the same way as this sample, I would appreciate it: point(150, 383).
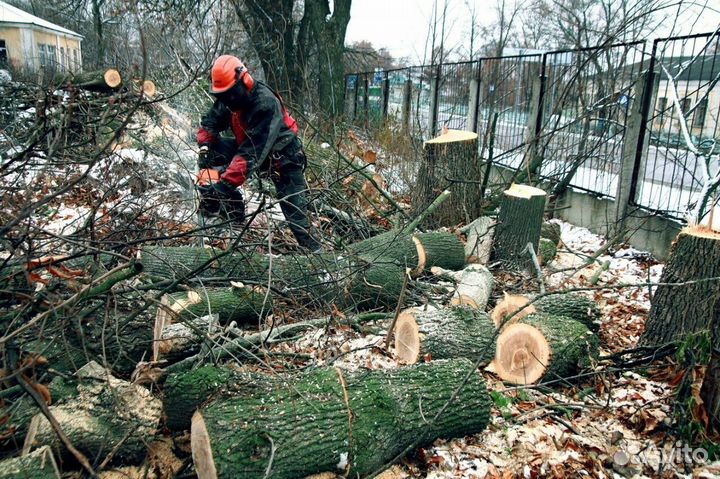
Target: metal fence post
point(474, 95)
point(386, 95)
point(633, 148)
point(407, 104)
point(355, 97)
point(366, 94)
point(535, 117)
point(434, 103)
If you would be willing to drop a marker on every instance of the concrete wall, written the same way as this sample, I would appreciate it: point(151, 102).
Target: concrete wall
point(646, 232)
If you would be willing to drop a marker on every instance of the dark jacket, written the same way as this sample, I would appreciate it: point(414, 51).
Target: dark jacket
point(262, 127)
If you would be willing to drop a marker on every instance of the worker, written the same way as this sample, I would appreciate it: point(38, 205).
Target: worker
point(265, 140)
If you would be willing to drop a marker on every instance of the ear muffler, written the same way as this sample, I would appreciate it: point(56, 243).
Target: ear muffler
point(245, 78)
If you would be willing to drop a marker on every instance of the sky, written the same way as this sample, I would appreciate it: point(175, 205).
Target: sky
point(401, 26)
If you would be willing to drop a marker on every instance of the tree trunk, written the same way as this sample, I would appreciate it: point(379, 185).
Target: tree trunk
point(519, 223)
point(349, 280)
point(473, 285)
point(479, 235)
point(98, 80)
point(330, 420)
point(420, 251)
point(688, 308)
point(242, 304)
point(451, 158)
point(107, 413)
point(39, 464)
point(446, 333)
point(543, 347)
point(710, 392)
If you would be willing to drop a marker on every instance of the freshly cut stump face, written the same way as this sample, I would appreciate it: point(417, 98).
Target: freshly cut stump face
point(464, 300)
point(202, 454)
point(407, 338)
point(451, 136)
point(524, 191)
point(522, 354)
point(509, 304)
point(112, 78)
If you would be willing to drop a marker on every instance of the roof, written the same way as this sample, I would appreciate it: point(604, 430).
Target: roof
point(701, 68)
point(10, 14)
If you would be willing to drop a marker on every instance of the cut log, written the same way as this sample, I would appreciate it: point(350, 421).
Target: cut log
point(352, 281)
point(542, 347)
point(98, 80)
point(519, 223)
point(239, 303)
point(333, 420)
point(176, 341)
point(479, 234)
point(502, 314)
point(574, 306)
point(680, 309)
point(450, 163)
point(419, 251)
point(457, 332)
point(39, 464)
point(474, 284)
point(107, 414)
point(144, 87)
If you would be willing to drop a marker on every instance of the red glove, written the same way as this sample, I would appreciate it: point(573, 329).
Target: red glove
point(205, 137)
point(236, 172)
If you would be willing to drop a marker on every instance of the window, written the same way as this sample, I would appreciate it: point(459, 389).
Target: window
point(62, 59)
point(47, 56)
point(3, 53)
point(685, 104)
point(700, 113)
point(662, 104)
point(76, 61)
point(42, 51)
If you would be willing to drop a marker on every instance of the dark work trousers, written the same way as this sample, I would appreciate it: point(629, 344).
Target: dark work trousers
point(286, 172)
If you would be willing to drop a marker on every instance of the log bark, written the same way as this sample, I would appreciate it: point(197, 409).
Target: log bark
point(351, 280)
point(541, 347)
point(519, 223)
point(177, 341)
point(39, 464)
point(238, 303)
point(710, 391)
point(450, 159)
point(107, 414)
point(574, 306)
point(446, 333)
point(333, 420)
point(98, 80)
point(479, 234)
point(473, 285)
point(676, 311)
point(420, 251)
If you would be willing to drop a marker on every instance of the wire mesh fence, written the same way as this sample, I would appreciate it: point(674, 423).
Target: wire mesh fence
point(684, 73)
point(564, 116)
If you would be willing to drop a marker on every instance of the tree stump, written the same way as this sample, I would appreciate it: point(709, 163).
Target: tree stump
point(676, 311)
point(457, 332)
point(543, 347)
point(450, 159)
point(330, 420)
point(519, 223)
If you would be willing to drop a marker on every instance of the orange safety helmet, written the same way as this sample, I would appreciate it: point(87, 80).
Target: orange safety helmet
point(226, 72)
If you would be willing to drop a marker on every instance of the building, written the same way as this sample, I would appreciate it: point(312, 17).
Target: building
point(30, 43)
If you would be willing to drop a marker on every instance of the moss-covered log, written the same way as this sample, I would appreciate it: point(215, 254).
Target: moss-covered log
point(237, 303)
point(685, 304)
point(541, 347)
point(350, 280)
point(107, 414)
point(457, 332)
point(551, 231)
point(519, 223)
point(332, 420)
point(451, 163)
point(39, 464)
point(575, 306)
point(547, 250)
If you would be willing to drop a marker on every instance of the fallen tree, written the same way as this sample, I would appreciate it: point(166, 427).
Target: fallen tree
point(458, 332)
point(39, 464)
point(332, 420)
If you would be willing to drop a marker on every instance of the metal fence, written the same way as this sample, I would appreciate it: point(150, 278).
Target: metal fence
point(565, 116)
